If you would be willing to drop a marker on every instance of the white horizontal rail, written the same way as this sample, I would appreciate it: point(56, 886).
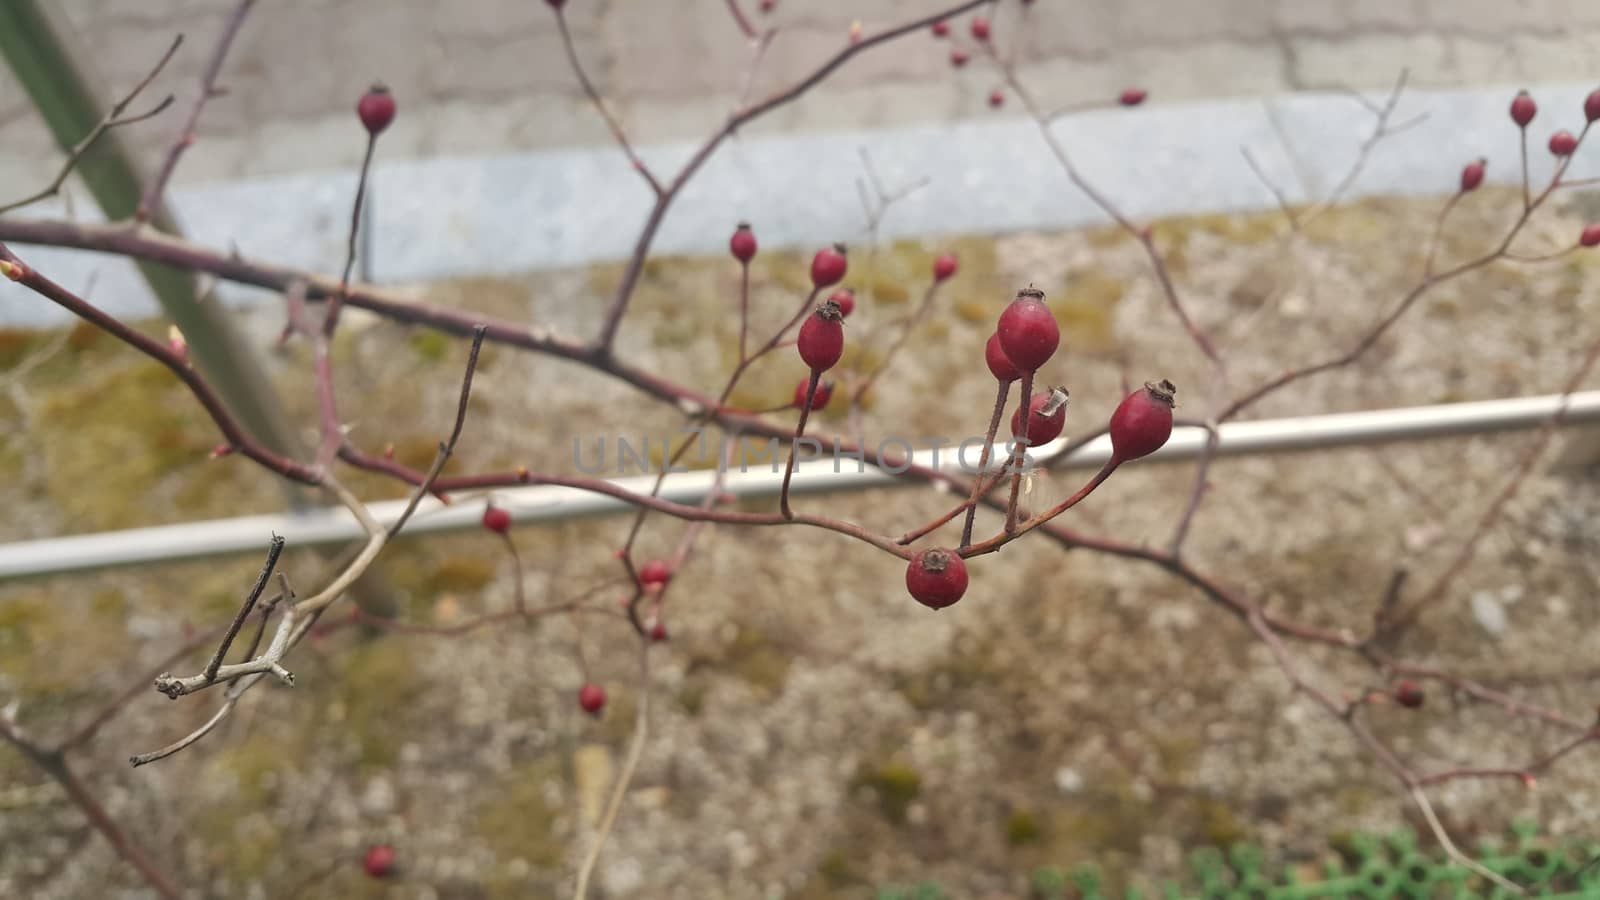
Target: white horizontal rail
point(248, 534)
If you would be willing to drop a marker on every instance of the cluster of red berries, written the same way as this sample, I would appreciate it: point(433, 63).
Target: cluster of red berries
point(1025, 338)
point(1562, 144)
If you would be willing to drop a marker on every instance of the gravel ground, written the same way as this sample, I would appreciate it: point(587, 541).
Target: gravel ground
point(813, 733)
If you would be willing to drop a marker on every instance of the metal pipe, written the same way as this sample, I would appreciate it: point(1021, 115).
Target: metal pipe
point(197, 540)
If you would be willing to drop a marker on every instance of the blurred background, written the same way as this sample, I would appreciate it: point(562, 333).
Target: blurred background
point(813, 733)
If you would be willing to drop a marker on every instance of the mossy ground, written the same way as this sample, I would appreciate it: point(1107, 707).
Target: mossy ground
point(814, 733)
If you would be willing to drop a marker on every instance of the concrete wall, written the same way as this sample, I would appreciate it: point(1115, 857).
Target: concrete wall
point(488, 77)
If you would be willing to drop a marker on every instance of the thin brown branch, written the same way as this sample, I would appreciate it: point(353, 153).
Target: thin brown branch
point(641, 249)
point(54, 764)
point(742, 20)
point(590, 91)
point(153, 195)
point(235, 435)
point(1408, 615)
point(114, 118)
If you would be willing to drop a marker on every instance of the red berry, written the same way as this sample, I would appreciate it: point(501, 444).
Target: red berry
point(1409, 694)
point(1591, 106)
point(1590, 236)
point(845, 299)
point(1047, 415)
point(821, 340)
point(1562, 143)
point(1472, 175)
point(936, 578)
point(828, 266)
point(1133, 96)
point(958, 57)
point(1000, 365)
point(980, 28)
point(658, 632)
point(997, 98)
point(592, 697)
point(1028, 332)
point(944, 267)
point(819, 400)
point(1523, 109)
point(768, 5)
point(376, 109)
point(379, 862)
point(655, 574)
point(1143, 422)
point(497, 519)
point(941, 29)
point(743, 243)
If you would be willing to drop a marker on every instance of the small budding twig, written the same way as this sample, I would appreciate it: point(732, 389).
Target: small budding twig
point(273, 553)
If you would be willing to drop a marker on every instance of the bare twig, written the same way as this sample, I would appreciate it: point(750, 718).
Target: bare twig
point(669, 191)
point(112, 119)
point(186, 137)
point(54, 764)
point(273, 553)
point(589, 90)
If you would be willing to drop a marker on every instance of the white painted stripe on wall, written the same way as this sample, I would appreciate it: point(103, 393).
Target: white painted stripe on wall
point(457, 216)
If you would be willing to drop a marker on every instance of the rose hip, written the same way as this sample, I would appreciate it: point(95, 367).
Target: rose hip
point(936, 578)
point(1000, 365)
point(743, 243)
point(845, 299)
point(1133, 96)
point(1409, 694)
point(1562, 143)
point(828, 266)
point(1523, 109)
point(376, 109)
point(944, 266)
point(1143, 422)
point(819, 400)
point(655, 574)
point(379, 861)
point(1028, 332)
point(592, 697)
point(1047, 415)
point(1472, 175)
point(497, 519)
point(821, 340)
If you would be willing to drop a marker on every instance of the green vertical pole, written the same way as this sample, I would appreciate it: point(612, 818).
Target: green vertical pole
point(39, 50)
